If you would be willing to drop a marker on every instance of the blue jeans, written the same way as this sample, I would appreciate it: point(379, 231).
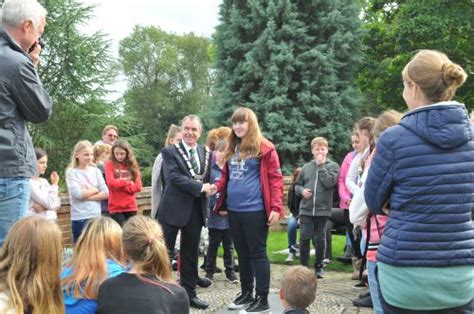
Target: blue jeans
point(291, 228)
point(374, 287)
point(14, 199)
point(76, 228)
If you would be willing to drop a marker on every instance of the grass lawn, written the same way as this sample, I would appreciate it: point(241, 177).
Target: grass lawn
point(277, 241)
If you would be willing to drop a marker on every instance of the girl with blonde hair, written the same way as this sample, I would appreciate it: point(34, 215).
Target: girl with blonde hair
point(424, 170)
point(252, 188)
point(123, 179)
point(86, 187)
point(30, 263)
point(149, 286)
point(98, 255)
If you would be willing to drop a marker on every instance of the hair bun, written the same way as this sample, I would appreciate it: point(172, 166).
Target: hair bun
point(453, 75)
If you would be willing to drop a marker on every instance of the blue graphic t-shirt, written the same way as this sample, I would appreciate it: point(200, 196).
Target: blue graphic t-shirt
point(243, 189)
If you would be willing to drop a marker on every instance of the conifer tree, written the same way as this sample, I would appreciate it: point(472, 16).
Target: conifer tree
point(293, 63)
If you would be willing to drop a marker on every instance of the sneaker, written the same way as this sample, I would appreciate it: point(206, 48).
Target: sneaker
point(243, 300)
point(259, 305)
point(326, 261)
point(363, 302)
point(290, 258)
point(209, 276)
point(231, 277)
point(320, 273)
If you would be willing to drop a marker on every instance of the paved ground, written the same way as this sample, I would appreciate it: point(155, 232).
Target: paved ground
point(335, 293)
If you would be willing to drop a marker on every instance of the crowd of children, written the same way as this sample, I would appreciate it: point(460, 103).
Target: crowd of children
point(405, 173)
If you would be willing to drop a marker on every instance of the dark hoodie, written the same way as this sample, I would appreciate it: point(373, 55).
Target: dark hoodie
point(424, 167)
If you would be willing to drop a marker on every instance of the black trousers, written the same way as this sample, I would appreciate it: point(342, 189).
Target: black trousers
point(249, 232)
point(216, 236)
point(121, 218)
point(189, 247)
point(312, 228)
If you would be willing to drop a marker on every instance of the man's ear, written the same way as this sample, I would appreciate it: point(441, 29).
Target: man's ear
point(27, 25)
point(281, 294)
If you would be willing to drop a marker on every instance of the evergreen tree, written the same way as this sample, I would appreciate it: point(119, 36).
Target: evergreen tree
point(293, 63)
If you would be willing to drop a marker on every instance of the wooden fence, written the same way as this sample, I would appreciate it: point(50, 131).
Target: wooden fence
point(144, 208)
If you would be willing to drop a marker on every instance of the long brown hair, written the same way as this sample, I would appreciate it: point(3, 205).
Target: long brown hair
point(130, 161)
point(100, 240)
point(30, 266)
point(251, 144)
point(144, 244)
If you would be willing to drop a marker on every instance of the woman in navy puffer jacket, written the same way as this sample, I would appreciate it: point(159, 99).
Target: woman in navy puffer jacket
point(424, 172)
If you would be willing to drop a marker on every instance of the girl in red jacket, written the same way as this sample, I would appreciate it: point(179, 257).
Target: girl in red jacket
point(251, 190)
point(123, 179)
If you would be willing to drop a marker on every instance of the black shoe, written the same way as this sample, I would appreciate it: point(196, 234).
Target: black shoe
point(259, 305)
point(198, 303)
point(231, 277)
point(363, 302)
point(209, 276)
point(243, 300)
point(361, 284)
point(203, 282)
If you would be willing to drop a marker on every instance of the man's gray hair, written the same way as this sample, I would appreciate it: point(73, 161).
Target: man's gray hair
point(192, 117)
point(15, 12)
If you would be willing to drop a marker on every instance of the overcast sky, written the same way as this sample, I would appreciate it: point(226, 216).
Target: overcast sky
point(117, 19)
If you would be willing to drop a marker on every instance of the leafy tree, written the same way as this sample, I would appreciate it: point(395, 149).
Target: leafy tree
point(397, 29)
point(293, 63)
point(169, 76)
point(75, 68)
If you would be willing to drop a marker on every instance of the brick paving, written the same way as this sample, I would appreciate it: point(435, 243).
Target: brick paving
point(334, 295)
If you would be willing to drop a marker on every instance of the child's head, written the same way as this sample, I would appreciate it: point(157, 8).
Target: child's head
point(387, 119)
point(100, 240)
point(174, 135)
point(30, 266)
point(82, 155)
point(434, 74)
point(122, 153)
point(246, 134)
point(102, 152)
point(355, 142)
point(319, 146)
point(41, 160)
point(144, 244)
point(298, 288)
point(216, 134)
point(364, 129)
point(219, 149)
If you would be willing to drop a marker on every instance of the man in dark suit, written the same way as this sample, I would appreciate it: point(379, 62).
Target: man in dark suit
point(186, 168)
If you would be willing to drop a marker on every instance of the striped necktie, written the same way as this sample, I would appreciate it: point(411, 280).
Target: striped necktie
point(192, 157)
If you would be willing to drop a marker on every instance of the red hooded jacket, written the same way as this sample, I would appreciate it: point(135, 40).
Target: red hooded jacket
point(271, 182)
point(121, 188)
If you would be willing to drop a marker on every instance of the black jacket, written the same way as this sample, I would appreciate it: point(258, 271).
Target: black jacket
point(181, 190)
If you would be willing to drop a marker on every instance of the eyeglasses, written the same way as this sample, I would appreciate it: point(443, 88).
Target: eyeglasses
point(112, 135)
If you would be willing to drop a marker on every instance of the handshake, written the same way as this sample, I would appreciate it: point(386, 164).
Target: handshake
point(209, 189)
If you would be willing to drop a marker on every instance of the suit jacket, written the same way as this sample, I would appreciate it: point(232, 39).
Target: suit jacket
point(181, 191)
